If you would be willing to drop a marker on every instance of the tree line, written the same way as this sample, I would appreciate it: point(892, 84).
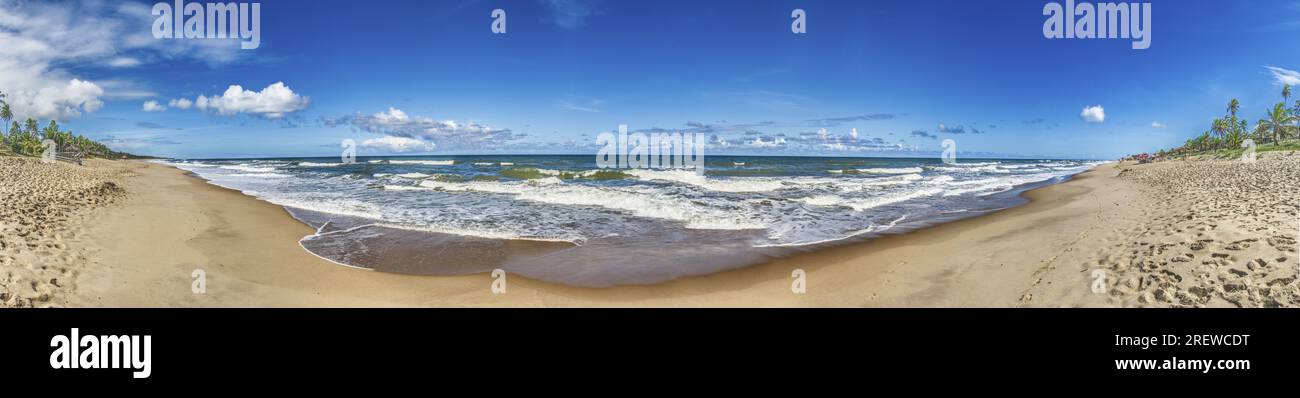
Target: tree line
point(27, 138)
point(1278, 125)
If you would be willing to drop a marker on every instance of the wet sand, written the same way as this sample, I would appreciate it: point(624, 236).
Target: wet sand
point(1127, 223)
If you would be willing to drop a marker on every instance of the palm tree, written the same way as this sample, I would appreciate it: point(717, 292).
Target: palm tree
point(1233, 107)
point(1220, 129)
point(12, 139)
point(1278, 119)
point(5, 113)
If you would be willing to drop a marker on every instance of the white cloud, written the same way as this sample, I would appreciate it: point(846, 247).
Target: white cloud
point(1093, 114)
point(123, 62)
point(446, 133)
point(759, 142)
point(1158, 125)
point(392, 116)
point(41, 44)
point(55, 101)
point(1284, 76)
point(153, 106)
point(273, 102)
point(180, 103)
point(397, 144)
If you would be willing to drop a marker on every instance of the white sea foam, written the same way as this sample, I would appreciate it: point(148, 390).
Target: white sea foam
point(791, 210)
point(483, 233)
point(822, 200)
point(258, 175)
point(248, 169)
point(642, 204)
point(901, 170)
point(424, 162)
point(188, 164)
point(860, 204)
point(737, 184)
point(970, 169)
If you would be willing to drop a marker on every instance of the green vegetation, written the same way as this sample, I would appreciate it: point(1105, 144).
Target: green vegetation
point(530, 173)
point(27, 139)
point(1278, 130)
point(523, 173)
point(600, 175)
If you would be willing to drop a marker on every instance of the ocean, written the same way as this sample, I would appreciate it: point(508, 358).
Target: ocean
point(560, 219)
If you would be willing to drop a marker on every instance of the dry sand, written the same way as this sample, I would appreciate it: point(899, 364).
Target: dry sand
point(42, 205)
point(1168, 234)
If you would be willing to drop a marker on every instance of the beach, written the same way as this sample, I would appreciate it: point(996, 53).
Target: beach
point(1167, 234)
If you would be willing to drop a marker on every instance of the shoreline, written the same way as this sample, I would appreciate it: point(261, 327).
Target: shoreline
point(143, 249)
point(770, 279)
point(653, 252)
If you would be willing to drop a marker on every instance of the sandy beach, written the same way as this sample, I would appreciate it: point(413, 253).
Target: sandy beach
point(1168, 234)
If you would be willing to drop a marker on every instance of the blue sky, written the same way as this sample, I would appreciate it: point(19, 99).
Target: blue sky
point(430, 77)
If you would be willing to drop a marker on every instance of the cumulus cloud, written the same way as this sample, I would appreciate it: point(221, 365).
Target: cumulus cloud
point(1093, 114)
point(272, 102)
point(766, 143)
point(180, 103)
point(153, 106)
point(396, 144)
point(41, 44)
point(446, 133)
point(1157, 125)
point(1284, 76)
point(55, 101)
point(958, 129)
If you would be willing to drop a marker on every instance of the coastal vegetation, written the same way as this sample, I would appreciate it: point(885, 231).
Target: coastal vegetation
point(1277, 130)
point(27, 138)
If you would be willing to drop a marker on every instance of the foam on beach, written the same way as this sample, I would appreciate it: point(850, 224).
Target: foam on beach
point(791, 203)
